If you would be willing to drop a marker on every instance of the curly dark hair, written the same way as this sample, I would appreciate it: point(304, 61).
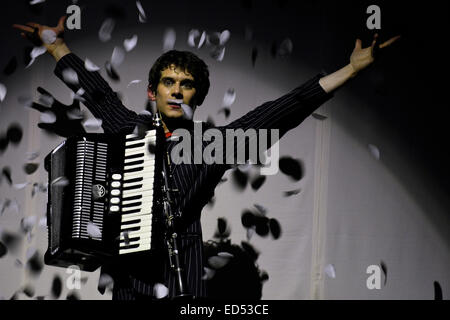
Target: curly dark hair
point(188, 62)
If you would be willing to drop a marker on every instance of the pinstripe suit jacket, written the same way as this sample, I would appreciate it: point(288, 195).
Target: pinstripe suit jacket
point(196, 183)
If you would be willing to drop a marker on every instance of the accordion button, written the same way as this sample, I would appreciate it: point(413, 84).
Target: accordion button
point(115, 200)
point(116, 176)
point(115, 184)
point(115, 192)
point(114, 208)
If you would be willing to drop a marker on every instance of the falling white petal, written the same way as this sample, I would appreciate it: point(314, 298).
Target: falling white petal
point(169, 39)
point(105, 280)
point(193, 34)
point(46, 100)
point(104, 34)
point(250, 233)
point(75, 114)
point(329, 270)
point(225, 255)
point(260, 208)
point(129, 44)
point(3, 91)
point(92, 124)
point(133, 82)
point(117, 56)
point(93, 230)
point(142, 15)
point(145, 112)
point(218, 262)
point(209, 273)
point(60, 182)
point(28, 223)
point(374, 151)
point(160, 291)
point(229, 97)
point(48, 117)
point(42, 222)
point(48, 36)
point(187, 111)
point(33, 2)
point(224, 36)
point(19, 186)
point(202, 39)
point(90, 66)
point(218, 53)
point(37, 51)
point(70, 76)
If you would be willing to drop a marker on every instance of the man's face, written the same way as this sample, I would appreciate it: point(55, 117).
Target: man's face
point(174, 87)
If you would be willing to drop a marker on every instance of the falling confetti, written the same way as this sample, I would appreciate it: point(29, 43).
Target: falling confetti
point(239, 179)
point(218, 53)
point(48, 117)
point(104, 34)
point(30, 168)
point(142, 14)
point(60, 182)
point(187, 111)
point(14, 133)
point(105, 281)
point(93, 230)
point(374, 151)
point(70, 76)
point(275, 228)
point(291, 192)
point(437, 291)
point(208, 273)
point(35, 265)
point(129, 44)
point(226, 111)
point(285, 48)
point(318, 116)
point(6, 172)
point(224, 37)
point(35, 52)
point(117, 56)
point(3, 91)
point(3, 250)
point(48, 36)
point(160, 291)
point(258, 182)
point(229, 97)
point(291, 167)
point(384, 268)
point(56, 287)
point(248, 219)
point(90, 66)
point(92, 124)
point(217, 262)
point(133, 82)
point(27, 223)
point(254, 55)
point(260, 209)
point(193, 35)
point(111, 72)
point(329, 271)
point(169, 39)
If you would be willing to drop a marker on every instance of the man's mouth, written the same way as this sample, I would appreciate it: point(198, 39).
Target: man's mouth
point(175, 104)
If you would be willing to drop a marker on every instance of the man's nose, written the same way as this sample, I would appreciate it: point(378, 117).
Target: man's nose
point(176, 91)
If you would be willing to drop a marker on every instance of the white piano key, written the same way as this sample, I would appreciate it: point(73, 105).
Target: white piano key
point(146, 173)
point(144, 191)
point(140, 212)
point(131, 143)
point(142, 217)
point(136, 233)
point(142, 248)
point(141, 205)
point(149, 133)
point(148, 200)
point(141, 226)
point(146, 163)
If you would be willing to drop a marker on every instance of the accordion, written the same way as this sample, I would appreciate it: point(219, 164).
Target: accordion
point(103, 198)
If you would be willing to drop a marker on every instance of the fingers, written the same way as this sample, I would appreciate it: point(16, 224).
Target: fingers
point(389, 42)
point(23, 28)
point(358, 44)
point(60, 26)
point(33, 25)
point(375, 38)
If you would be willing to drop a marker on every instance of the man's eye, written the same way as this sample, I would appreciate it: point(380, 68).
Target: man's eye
point(167, 82)
point(188, 85)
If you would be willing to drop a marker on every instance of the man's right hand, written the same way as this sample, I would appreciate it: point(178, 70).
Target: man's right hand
point(51, 38)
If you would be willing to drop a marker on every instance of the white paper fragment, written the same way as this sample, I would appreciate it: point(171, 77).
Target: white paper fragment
point(90, 66)
point(93, 230)
point(42, 222)
point(285, 47)
point(3, 91)
point(146, 113)
point(129, 44)
point(260, 208)
point(77, 96)
point(133, 82)
point(193, 34)
point(209, 273)
point(24, 100)
point(48, 36)
point(92, 124)
point(187, 111)
point(48, 117)
point(75, 114)
point(224, 36)
point(169, 39)
point(105, 280)
point(329, 270)
point(202, 39)
point(250, 233)
point(30, 252)
point(33, 2)
point(142, 15)
point(70, 76)
point(218, 53)
point(160, 291)
point(60, 182)
point(28, 223)
point(104, 34)
point(229, 97)
point(30, 156)
point(19, 186)
point(374, 151)
point(225, 254)
point(217, 262)
point(117, 56)
point(46, 100)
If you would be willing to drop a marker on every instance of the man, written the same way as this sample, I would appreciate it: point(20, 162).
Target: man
point(176, 79)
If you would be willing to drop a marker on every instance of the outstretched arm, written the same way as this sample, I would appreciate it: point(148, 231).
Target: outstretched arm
point(360, 59)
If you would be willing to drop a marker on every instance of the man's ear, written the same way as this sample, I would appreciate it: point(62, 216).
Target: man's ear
point(151, 94)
